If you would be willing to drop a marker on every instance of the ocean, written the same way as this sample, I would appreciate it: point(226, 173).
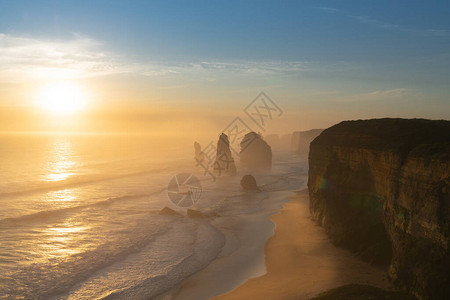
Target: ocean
point(79, 214)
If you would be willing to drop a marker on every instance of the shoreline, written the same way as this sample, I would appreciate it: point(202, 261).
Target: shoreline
point(301, 262)
point(241, 258)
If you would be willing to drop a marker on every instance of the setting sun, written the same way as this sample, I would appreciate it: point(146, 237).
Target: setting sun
point(61, 98)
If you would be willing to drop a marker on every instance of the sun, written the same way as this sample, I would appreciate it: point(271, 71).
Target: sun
point(61, 98)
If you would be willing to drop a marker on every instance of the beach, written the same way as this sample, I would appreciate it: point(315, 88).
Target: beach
point(300, 262)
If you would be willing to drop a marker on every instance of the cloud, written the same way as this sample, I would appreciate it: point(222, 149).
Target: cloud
point(23, 58)
point(219, 68)
point(380, 95)
point(27, 59)
point(392, 92)
point(377, 23)
point(325, 8)
point(367, 20)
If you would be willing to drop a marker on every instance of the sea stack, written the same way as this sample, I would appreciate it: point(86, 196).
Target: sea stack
point(224, 163)
point(255, 154)
point(381, 188)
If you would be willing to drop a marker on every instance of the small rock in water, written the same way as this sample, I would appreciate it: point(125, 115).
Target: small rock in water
point(170, 212)
point(248, 182)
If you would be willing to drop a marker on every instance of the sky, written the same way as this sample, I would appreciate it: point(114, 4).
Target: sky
point(159, 66)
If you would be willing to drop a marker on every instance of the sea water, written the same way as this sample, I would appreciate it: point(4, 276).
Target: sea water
point(78, 214)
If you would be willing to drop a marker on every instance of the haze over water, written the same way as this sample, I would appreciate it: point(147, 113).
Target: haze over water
point(101, 102)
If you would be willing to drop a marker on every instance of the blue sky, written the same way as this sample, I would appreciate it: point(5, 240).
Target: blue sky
point(285, 30)
point(316, 52)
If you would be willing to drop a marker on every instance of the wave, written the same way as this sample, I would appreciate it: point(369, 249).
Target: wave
point(55, 280)
point(76, 183)
point(62, 211)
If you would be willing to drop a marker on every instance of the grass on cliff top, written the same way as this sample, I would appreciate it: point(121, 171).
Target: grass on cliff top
point(362, 292)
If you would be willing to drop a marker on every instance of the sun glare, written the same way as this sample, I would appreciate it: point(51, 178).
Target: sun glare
point(62, 98)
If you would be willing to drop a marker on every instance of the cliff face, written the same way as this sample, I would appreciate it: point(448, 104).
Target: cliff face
point(381, 188)
point(301, 139)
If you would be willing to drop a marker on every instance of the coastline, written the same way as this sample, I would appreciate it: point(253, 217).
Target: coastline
point(301, 262)
point(241, 258)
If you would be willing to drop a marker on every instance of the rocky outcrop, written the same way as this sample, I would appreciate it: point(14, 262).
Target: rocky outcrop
point(248, 183)
point(255, 153)
point(382, 189)
point(301, 139)
point(224, 163)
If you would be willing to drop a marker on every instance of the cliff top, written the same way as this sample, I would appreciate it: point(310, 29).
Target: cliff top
point(417, 137)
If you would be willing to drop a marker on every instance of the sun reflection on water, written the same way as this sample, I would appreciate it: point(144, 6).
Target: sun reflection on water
point(60, 163)
point(64, 240)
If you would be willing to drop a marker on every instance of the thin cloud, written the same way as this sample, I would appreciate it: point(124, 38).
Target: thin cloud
point(377, 23)
point(23, 58)
point(367, 20)
point(210, 70)
point(380, 95)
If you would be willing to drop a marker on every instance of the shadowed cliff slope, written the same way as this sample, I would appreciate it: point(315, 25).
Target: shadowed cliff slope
point(381, 188)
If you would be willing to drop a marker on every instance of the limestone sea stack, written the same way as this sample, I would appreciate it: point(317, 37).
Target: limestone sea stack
point(224, 163)
point(255, 154)
point(382, 189)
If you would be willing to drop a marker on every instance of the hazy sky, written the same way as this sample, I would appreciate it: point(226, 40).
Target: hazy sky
point(148, 63)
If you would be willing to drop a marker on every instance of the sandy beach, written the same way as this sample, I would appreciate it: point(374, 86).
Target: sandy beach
point(301, 262)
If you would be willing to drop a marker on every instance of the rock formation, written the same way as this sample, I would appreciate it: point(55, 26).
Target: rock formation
point(382, 188)
point(224, 163)
point(301, 139)
point(248, 183)
point(255, 153)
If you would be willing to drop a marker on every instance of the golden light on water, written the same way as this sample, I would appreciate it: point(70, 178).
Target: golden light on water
point(60, 240)
point(60, 164)
point(62, 98)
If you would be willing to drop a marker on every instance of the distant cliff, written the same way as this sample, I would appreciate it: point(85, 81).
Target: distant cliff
point(300, 140)
point(381, 188)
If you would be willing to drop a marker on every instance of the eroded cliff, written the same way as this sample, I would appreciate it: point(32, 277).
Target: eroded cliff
point(381, 188)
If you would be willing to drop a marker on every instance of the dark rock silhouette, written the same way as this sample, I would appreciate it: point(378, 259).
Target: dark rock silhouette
point(381, 188)
point(224, 163)
point(301, 140)
point(255, 153)
point(170, 212)
point(248, 183)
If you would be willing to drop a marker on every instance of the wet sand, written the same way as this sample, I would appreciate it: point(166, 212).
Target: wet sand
point(301, 262)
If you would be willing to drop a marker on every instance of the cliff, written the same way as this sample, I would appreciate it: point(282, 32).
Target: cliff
point(300, 140)
point(381, 188)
